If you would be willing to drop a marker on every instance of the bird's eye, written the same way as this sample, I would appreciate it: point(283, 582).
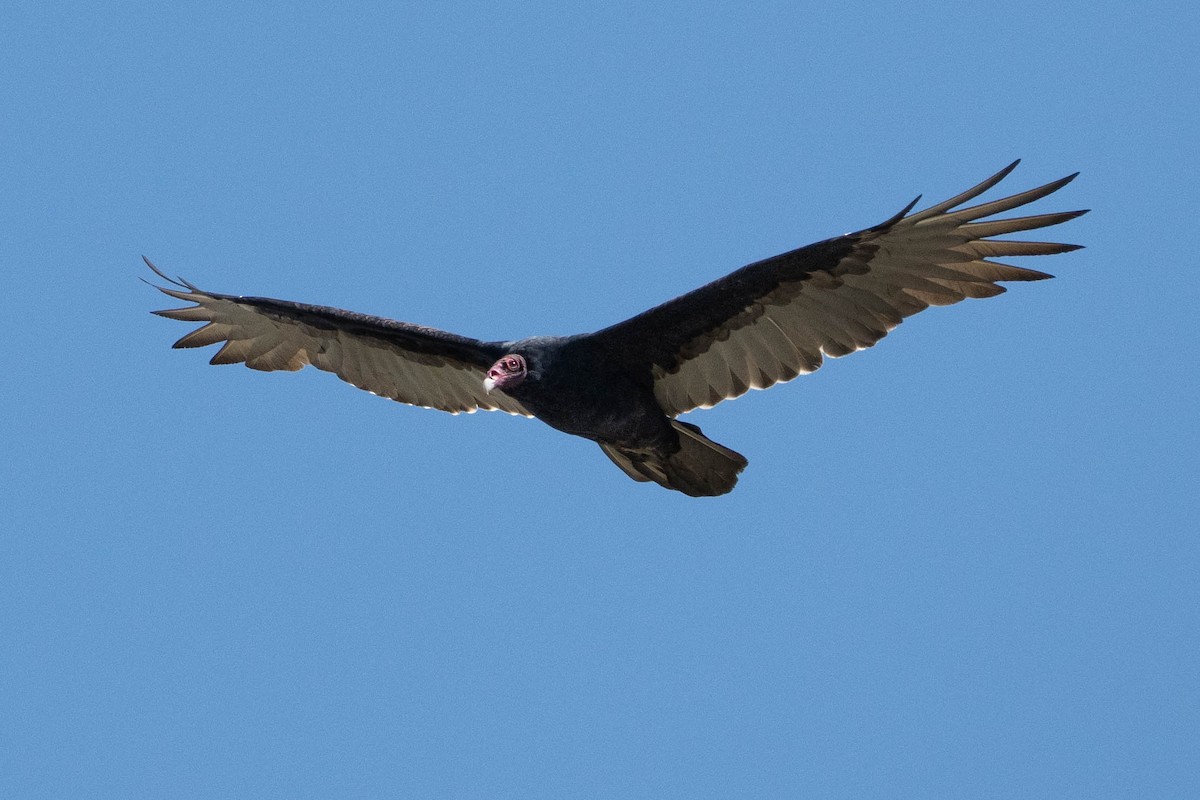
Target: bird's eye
point(513, 365)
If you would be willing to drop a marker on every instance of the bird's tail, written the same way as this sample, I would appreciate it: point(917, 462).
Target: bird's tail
point(700, 467)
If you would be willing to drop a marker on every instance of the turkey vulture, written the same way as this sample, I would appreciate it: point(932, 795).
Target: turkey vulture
point(624, 386)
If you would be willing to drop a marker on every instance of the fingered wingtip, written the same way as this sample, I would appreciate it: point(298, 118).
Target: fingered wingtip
point(156, 270)
point(177, 281)
point(899, 215)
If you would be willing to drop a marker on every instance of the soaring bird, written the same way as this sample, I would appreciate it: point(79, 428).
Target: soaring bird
point(624, 386)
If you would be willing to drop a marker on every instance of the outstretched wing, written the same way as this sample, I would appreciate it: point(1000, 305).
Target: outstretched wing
point(408, 363)
point(778, 318)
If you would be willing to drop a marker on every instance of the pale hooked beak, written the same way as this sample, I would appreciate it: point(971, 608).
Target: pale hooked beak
point(489, 383)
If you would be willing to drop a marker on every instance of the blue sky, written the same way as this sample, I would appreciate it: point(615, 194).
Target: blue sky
point(962, 563)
